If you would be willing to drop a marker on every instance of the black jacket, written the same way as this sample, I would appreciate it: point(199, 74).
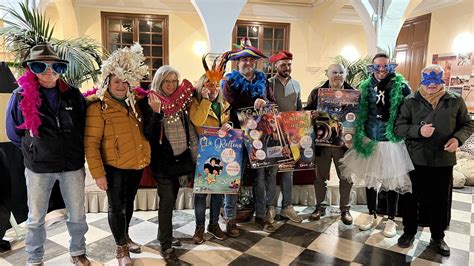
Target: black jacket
point(60, 144)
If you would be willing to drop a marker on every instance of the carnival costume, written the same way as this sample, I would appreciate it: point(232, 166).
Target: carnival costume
point(380, 161)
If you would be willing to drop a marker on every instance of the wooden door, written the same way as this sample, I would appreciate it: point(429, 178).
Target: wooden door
point(412, 47)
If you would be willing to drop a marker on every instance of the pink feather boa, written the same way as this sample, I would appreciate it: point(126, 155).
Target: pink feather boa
point(30, 103)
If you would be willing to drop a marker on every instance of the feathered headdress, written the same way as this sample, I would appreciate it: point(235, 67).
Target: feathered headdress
point(216, 73)
point(125, 63)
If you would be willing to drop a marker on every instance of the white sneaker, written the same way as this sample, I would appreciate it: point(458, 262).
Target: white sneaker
point(368, 222)
point(390, 229)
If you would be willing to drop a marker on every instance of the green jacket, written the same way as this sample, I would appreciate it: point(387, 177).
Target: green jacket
point(450, 120)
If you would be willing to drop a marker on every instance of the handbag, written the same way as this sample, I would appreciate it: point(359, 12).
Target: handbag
point(182, 164)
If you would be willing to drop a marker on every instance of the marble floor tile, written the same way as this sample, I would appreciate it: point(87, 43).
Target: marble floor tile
point(460, 227)
point(295, 235)
point(102, 250)
point(331, 245)
point(242, 243)
point(19, 256)
point(92, 235)
point(351, 232)
point(249, 260)
point(426, 251)
point(456, 240)
point(461, 216)
point(275, 251)
point(145, 215)
point(370, 255)
point(310, 257)
point(143, 232)
point(91, 217)
point(463, 197)
point(210, 253)
point(461, 205)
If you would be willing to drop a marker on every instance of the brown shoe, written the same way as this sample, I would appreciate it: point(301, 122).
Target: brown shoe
point(317, 214)
point(346, 216)
point(231, 229)
point(170, 257)
point(133, 246)
point(123, 256)
point(215, 231)
point(266, 226)
point(198, 237)
point(80, 260)
point(290, 213)
point(271, 212)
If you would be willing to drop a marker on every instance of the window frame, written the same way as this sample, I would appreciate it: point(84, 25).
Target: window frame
point(261, 25)
point(107, 16)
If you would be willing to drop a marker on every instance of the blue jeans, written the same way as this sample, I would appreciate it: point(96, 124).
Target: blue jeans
point(39, 188)
point(200, 208)
point(286, 186)
point(264, 187)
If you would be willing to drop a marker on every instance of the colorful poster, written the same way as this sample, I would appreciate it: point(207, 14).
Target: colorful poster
point(458, 75)
point(219, 161)
point(264, 138)
point(299, 131)
point(335, 125)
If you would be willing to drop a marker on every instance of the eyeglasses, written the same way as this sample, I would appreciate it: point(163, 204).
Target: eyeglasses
point(168, 82)
point(39, 67)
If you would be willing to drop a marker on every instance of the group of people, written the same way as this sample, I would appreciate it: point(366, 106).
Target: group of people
point(404, 143)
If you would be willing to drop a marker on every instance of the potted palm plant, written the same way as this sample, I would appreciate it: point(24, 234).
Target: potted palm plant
point(356, 70)
point(27, 27)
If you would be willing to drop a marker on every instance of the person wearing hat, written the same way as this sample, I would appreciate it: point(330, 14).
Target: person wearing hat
point(115, 145)
point(324, 156)
point(287, 94)
point(45, 119)
point(248, 87)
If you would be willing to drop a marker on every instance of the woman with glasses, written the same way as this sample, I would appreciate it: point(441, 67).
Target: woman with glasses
point(116, 148)
point(209, 109)
point(45, 119)
point(173, 142)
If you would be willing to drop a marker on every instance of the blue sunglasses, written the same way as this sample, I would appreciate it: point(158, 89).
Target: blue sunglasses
point(39, 67)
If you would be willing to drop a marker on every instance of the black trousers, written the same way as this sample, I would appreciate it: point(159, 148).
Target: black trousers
point(122, 189)
point(392, 200)
point(167, 191)
point(431, 190)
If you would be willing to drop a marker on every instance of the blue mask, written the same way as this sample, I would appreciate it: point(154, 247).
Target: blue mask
point(432, 78)
point(376, 67)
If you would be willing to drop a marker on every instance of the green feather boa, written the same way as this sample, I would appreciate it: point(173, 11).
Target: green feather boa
point(396, 97)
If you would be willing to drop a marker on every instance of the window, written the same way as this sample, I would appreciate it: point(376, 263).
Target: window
point(151, 31)
point(268, 37)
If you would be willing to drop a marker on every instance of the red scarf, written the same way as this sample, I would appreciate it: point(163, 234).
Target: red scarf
point(173, 105)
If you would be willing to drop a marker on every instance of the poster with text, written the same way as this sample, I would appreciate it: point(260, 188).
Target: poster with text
point(335, 125)
point(458, 75)
point(299, 132)
point(219, 161)
point(264, 138)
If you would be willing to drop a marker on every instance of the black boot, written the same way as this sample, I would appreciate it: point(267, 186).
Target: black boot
point(405, 240)
point(441, 247)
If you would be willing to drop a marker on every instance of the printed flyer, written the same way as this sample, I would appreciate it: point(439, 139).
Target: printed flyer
point(335, 125)
point(219, 161)
point(264, 138)
point(299, 131)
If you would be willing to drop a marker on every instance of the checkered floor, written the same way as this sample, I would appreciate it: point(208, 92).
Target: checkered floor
point(325, 242)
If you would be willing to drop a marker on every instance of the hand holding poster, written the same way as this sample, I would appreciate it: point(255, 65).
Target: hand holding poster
point(264, 137)
point(219, 161)
point(337, 113)
point(299, 131)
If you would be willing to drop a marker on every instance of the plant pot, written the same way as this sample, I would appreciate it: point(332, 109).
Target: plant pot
point(244, 215)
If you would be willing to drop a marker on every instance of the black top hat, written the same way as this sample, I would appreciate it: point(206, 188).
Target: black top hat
point(43, 52)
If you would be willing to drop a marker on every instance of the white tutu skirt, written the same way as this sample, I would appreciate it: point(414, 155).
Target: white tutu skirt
point(386, 169)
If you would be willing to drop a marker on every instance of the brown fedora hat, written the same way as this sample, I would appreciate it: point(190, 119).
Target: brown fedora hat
point(43, 52)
